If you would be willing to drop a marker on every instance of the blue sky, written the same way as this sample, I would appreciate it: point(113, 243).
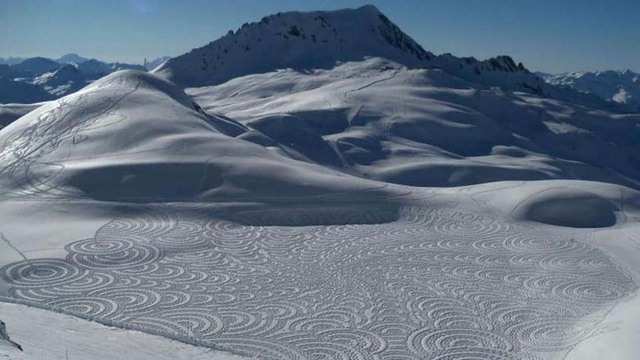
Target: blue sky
point(548, 35)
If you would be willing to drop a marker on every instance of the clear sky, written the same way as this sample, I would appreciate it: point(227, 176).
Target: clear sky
point(546, 35)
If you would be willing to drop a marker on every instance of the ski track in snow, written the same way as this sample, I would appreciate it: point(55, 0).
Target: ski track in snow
point(47, 124)
point(439, 283)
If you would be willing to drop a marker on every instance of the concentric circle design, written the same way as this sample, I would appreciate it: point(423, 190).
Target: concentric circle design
point(112, 254)
point(438, 283)
point(42, 273)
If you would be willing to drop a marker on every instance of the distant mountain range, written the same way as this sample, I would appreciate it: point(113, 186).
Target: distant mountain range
point(28, 80)
point(622, 87)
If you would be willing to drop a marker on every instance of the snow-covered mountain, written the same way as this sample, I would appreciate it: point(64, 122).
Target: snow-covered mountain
point(36, 66)
point(130, 190)
point(311, 40)
point(425, 127)
point(157, 62)
point(71, 59)
point(12, 91)
point(313, 207)
point(40, 79)
point(95, 69)
point(115, 137)
point(622, 87)
point(342, 105)
point(12, 60)
point(64, 80)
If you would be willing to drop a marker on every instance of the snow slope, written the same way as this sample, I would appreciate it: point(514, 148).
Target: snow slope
point(146, 213)
point(134, 136)
point(618, 86)
point(425, 127)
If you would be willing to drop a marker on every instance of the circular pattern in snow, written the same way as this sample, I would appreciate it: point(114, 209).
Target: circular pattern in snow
point(439, 283)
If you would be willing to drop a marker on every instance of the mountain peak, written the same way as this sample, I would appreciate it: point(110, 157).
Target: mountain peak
point(299, 40)
point(323, 39)
point(71, 58)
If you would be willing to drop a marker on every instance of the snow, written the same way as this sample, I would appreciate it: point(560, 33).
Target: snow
point(71, 59)
point(37, 65)
point(449, 274)
point(146, 213)
point(49, 335)
point(152, 64)
point(285, 40)
point(619, 86)
point(40, 79)
point(125, 146)
point(421, 127)
point(373, 202)
point(64, 80)
point(21, 92)
point(619, 340)
point(11, 112)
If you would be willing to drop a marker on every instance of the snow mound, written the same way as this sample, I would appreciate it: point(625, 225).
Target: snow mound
point(567, 203)
point(571, 208)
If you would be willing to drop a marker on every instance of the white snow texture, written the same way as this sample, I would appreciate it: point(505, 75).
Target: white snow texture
point(318, 186)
